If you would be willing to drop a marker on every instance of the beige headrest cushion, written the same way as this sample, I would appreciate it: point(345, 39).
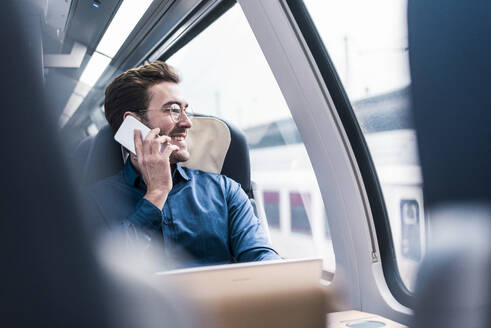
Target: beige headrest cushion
point(208, 142)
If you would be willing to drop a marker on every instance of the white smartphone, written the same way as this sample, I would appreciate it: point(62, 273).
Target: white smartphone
point(125, 134)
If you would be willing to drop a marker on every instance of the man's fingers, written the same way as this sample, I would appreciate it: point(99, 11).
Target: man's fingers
point(165, 138)
point(152, 134)
point(153, 144)
point(169, 149)
point(138, 143)
point(158, 143)
point(147, 143)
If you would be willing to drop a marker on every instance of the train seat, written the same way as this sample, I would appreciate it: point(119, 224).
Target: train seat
point(96, 157)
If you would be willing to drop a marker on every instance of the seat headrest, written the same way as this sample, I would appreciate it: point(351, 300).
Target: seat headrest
point(97, 157)
point(208, 143)
point(219, 147)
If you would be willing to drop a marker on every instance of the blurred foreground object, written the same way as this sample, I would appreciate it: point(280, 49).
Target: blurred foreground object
point(449, 51)
point(280, 293)
point(357, 319)
point(454, 282)
point(51, 276)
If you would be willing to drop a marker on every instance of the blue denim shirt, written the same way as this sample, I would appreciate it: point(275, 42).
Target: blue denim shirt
point(208, 216)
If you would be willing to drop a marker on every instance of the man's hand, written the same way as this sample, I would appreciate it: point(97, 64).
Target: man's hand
point(153, 162)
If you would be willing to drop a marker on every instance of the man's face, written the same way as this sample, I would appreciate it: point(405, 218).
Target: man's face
point(163, 95)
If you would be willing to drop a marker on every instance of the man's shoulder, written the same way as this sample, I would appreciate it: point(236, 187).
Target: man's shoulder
point(208, 179)
point(200, 174)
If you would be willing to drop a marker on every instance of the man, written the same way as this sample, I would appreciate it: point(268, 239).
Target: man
point(206, 215)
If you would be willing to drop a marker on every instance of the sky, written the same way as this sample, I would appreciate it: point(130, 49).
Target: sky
point(367, 40)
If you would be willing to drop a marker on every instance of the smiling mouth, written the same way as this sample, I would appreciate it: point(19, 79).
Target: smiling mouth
point(178, 138)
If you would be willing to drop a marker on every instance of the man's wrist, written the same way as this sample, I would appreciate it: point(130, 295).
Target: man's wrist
point(157, 197)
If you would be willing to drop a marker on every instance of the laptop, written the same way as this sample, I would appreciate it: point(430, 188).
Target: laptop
point(280, 293)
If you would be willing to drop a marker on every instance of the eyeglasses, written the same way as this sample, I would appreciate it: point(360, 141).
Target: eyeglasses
point(176, 112)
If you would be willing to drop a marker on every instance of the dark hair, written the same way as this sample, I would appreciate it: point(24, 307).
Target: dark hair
point(129, 91)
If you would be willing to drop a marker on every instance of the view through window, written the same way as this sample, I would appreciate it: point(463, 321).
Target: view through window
point(367, 41)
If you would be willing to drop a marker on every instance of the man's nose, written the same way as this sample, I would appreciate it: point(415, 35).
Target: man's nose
point(184, 120)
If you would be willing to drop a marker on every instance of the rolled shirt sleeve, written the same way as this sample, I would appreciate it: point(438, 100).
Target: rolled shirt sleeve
point(146, 216)
point(139, 227)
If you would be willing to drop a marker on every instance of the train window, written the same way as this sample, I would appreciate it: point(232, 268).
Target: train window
point(367, 42)
point(271, 201)
point(299, 205)
point(225, 74)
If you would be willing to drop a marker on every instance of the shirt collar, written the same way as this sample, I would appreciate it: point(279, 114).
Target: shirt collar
point(131, 176)
point(180, 170)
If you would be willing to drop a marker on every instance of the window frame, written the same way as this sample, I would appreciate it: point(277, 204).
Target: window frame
point(359, 282)
point(360, 149)
point(204, 19)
